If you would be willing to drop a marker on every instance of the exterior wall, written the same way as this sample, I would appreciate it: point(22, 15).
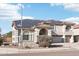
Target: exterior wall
point(59, 33)
point(72, 39)
point(49, 32)
point(14, 35)
point(76, 31)
point(76, 34)
point(69, 39)
point(69, 32)
point(36, 33)
point(56, 30)
point(61, 30)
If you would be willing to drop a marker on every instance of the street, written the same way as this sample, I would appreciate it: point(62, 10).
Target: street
point(49, 52)
point(58, 53)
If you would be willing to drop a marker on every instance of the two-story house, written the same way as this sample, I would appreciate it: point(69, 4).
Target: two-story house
point(28, 30)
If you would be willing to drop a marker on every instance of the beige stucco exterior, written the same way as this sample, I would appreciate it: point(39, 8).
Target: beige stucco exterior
point(58, 32)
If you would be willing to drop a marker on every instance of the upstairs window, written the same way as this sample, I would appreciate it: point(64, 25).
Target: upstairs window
point(68, 27)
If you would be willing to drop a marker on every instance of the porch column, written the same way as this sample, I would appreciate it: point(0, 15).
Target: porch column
point(72, 37)
point(30, 37)
point(71, 40)
point(49, 32)
point(64, 38)
point(33, 37)
point(64, 26)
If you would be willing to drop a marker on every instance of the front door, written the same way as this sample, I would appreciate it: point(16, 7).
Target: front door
point(76, 38)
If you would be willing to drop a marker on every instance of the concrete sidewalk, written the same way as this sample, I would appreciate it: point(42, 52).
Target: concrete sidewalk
point(16, 50)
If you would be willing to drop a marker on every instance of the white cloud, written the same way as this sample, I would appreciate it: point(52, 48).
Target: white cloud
point(67, 6)
point(9, 11)
point(28, 17)
point(73, 6)
point(55, 4)
point(23, 17)
point(72, 19)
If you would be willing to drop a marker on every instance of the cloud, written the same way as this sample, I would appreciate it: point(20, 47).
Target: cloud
point(55, 4)
point(23, 17)
point(73, 6)
point(67, 6)
point(28, 17)
point(72, 19)
point(10, 11)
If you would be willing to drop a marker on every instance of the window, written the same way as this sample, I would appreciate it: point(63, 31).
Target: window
point(25, 37)
point(43, 31)
point(68, 27)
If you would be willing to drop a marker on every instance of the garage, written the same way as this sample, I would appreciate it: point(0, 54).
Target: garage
point(57, 39)
point(76, 38)
point(67, 38)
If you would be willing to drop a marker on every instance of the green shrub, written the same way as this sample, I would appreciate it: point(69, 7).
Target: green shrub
point(1, 41)
point(44, 41)
point(27, 47)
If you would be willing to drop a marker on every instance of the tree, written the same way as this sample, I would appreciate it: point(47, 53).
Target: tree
point(44, 41)
point(1, 41)
point(9, 34)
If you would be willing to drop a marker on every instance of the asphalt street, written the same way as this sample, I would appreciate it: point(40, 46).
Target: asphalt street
point(45, 53)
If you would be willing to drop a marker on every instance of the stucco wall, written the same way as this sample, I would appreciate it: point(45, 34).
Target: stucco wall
point(76, 31)
point(58, 30)
point(14, 35)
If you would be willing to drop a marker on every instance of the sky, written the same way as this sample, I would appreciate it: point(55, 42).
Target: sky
point(41, 11)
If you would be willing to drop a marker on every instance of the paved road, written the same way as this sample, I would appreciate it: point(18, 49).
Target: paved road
point(51, 53)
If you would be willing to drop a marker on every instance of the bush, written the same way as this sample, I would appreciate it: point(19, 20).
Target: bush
point(44, 41)
point(27, 47)
point(1, 41)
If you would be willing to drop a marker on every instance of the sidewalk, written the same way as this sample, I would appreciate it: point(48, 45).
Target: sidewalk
point(16, 50)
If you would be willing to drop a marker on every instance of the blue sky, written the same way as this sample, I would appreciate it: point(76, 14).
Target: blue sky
point(45, 11)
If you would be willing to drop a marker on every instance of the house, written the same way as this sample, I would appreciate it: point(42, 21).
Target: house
point(62, 32)
point(7, 38)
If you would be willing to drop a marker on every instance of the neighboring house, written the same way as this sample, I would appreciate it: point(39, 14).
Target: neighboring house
point(7, 38)
point(62, 32)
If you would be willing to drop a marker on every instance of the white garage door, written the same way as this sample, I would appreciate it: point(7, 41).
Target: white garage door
point(57, 39)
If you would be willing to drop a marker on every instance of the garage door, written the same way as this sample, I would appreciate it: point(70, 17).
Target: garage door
point(76, 38)
point(57, 39)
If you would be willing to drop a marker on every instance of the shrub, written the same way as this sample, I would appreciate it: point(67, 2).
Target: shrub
point(1, 41)
point(27, 47)
point(44, 41)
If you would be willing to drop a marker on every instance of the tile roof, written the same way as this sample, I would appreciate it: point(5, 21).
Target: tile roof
point(26, 23)
point(76, 26)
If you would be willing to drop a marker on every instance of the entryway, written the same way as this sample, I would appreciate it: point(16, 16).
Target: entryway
point(76, 38)
point(43, 31)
